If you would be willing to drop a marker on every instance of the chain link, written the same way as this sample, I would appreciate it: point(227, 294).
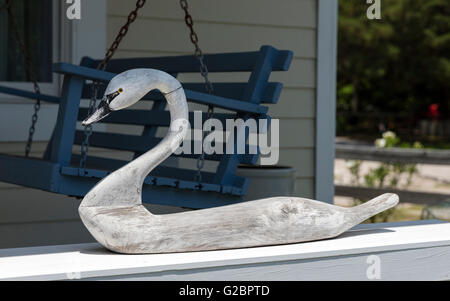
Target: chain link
point(30, 75)
point(34, 119)
point(204, 73)
point(95, 85)
point(88, 128)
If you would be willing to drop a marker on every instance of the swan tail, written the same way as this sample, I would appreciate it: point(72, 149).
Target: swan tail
point(375, 206)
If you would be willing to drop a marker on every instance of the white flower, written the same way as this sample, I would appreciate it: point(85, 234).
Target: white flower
point(380, 142)
point(350, 163)
point(389, 134)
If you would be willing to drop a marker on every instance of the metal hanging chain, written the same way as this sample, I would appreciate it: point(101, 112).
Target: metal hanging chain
point(30, 75)
point(84, 148)
point(198, 52)
point(95, 85)
point(204, 73)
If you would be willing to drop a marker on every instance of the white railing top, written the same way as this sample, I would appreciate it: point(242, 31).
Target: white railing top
point(91, 260)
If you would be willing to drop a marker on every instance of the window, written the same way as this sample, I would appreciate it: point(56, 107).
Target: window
point(34, 26)
point(49, 37)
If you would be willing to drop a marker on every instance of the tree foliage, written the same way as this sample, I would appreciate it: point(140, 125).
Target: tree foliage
point(399, 63)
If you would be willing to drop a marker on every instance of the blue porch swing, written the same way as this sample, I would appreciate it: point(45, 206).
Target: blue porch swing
point(65, 172)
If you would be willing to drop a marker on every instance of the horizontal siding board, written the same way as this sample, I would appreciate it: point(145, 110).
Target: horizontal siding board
point(304, 187)
point(167, 35)
point(297, 133)
point(15, 120)
point(302, 159)
point(276, 13)
point(294, 103)
point(302, 74)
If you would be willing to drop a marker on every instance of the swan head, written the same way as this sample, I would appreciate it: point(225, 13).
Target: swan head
point(128, 87)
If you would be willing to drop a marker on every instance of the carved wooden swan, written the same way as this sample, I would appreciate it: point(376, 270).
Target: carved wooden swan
point(113, 212)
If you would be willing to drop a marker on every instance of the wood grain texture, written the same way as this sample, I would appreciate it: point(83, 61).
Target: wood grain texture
point(271, 221)
point(113, 213)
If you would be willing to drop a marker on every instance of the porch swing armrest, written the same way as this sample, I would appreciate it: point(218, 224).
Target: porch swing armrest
point(81, 71)
point(63, 135)
point(28, 94)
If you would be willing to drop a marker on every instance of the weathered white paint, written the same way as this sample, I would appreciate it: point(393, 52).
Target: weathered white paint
point(407, 251)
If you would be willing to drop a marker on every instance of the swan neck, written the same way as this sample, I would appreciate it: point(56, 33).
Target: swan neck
point(177, 130)
point(123, 187)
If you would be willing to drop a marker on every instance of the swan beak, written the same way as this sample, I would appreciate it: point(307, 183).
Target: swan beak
point(101, 112)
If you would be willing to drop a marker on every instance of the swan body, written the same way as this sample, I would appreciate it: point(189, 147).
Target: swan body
point(113, 213)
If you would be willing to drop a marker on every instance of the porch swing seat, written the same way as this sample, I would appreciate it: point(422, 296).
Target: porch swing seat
point(59, 171)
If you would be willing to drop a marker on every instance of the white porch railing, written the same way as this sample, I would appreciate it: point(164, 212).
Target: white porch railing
point(393, 251)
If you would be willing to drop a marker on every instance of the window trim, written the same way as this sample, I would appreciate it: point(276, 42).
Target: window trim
point(74, 39)
point(46, 88)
